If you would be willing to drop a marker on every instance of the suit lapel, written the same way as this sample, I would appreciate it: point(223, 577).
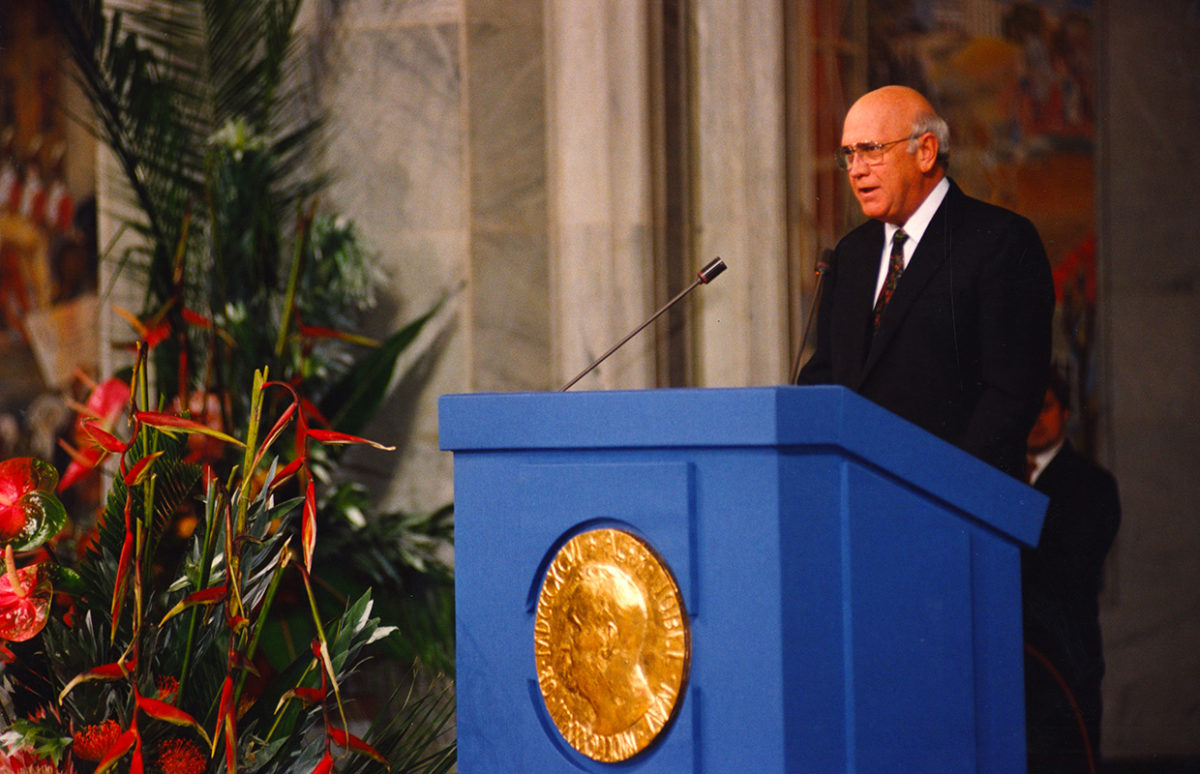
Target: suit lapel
point(860, 287)
point(930, 254)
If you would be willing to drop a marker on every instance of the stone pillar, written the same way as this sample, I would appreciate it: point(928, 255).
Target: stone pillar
point(508, 317)
point(739, 206)
point(599, 187)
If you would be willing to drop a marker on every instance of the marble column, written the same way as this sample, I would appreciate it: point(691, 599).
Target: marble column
point(599, 163)
point(739, 206)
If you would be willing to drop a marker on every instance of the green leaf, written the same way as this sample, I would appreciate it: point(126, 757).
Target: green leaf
point(355, 399)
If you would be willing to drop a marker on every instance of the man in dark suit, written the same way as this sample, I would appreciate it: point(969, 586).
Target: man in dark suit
point(956, 337)
point(1061, 582)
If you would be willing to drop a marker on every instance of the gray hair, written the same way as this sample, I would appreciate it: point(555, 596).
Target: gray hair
point(935, 124)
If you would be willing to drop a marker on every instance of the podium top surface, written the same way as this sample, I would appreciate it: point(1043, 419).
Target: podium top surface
point(783, 417)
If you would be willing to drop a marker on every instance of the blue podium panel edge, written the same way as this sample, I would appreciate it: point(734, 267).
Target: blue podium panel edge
point(777, 417)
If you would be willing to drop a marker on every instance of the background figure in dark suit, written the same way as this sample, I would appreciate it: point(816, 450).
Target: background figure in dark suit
point(1061, 582)
point(961, 344)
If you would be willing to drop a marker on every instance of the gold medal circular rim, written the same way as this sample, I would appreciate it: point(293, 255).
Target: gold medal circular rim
point(662, 569)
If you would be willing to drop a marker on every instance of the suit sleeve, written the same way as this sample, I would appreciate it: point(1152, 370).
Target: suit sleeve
point(1016, 308)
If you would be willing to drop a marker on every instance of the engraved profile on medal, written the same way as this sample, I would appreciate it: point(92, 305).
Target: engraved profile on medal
point(611, 644)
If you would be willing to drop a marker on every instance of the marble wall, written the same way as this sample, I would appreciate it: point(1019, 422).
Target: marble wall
point(390, 75)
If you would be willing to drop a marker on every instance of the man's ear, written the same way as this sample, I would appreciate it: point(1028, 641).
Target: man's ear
point(927, 151)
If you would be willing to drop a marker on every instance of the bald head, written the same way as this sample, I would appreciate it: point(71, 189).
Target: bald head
point(901, 102)
point(892, 187)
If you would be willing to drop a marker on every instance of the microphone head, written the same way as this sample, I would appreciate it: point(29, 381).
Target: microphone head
point(825, 261)
point(711, 270)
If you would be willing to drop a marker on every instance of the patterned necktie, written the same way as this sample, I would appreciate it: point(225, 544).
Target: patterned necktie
point(895, 269)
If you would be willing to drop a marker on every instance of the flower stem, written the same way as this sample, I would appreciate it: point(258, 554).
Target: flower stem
point(210, 545)
point(10, 567)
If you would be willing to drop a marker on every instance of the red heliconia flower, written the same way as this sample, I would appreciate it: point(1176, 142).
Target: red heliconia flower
point(107, 401)
point(325, 766)
point(206, 408)
point(92, 742)
point(152, 331)
point(104, 407)
point(30, 513)
point(181, 756)
point(25, 610)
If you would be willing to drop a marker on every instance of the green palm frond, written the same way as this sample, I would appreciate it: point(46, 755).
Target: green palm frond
point(164, 77)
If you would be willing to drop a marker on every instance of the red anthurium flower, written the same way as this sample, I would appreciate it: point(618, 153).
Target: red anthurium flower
point(30, 514)
point(24, 610)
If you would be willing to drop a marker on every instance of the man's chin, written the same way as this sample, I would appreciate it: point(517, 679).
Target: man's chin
point(870, 208)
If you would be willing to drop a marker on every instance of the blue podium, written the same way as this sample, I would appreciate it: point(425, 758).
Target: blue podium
point(851, 582)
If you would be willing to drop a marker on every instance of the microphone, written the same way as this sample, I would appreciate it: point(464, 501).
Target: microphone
point(823, 264)
point(704, 276)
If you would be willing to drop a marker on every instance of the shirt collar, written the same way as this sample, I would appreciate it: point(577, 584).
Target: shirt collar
point(1040, 461)
point(916, 224)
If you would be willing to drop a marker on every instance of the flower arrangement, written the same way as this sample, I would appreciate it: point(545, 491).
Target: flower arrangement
point(202, 626)
point(145, 656)
point(216, 134)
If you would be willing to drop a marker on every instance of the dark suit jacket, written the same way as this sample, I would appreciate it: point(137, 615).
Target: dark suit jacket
point(1060, 588)
point(963, 349)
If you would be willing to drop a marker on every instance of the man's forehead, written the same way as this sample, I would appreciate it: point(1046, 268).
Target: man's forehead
point(872, 123)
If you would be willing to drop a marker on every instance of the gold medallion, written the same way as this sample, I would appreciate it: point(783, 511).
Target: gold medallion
point(611, 643)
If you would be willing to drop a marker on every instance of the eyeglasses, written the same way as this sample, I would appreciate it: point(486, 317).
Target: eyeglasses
point(869, 152)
